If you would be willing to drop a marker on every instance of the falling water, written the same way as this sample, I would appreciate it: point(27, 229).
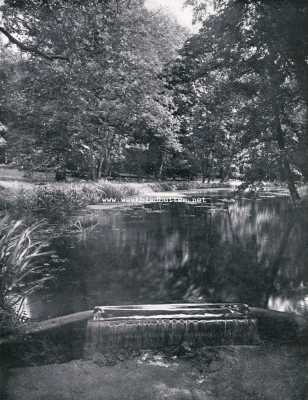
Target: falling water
point(104, 336)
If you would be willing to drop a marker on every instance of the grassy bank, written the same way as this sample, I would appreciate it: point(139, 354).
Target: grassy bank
point(229, 373)
point(22, 197)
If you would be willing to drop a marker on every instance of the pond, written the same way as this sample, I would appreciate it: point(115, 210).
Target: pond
point(212, 246)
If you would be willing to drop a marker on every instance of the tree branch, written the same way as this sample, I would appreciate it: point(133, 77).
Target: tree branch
point(31, 49)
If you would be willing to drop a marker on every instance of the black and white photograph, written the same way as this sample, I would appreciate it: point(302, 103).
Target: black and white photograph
point(153, 199)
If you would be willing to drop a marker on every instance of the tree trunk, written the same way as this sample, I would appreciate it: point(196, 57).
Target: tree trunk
point(93, 172)
point(203, 170)
point(226, 171)
point(100, 168)
point(161, 168)
point(285, 164)
point(93, 168)
point(209, 166)
point(107, 167)
point(290, 179)
point(302, 77)
point(299, 57)
point(284, 160)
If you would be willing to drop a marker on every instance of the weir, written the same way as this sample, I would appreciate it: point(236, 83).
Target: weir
point(159, 326)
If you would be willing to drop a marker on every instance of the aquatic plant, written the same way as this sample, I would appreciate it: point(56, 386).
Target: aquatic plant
point(23, 268)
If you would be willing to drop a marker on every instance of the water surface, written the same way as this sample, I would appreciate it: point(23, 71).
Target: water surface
point(218, 249)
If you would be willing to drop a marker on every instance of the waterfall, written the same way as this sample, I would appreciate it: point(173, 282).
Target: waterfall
point(134, 332)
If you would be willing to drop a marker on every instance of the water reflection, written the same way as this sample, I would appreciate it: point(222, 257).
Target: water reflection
point(296, 304)
point(246, 250)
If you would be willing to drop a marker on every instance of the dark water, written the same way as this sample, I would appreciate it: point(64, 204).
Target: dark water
point(244, 250)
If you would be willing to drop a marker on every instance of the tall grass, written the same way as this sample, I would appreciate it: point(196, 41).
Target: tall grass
point(23, 269)
point(57, 198)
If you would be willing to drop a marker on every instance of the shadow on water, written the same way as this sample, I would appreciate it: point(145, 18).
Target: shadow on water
point(244, 250)
point(4, 378)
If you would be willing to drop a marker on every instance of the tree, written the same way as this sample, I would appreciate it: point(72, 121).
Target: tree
point(103, 90)
point(240, 70)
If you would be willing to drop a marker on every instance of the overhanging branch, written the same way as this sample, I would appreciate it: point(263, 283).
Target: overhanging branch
point(31, 49)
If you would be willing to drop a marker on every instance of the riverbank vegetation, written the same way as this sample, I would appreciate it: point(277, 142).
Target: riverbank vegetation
point(19, 198)
point(106, 89)
point(57, 198)
point(24, 268)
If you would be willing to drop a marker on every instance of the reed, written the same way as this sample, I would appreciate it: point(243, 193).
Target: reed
point(57, 198)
